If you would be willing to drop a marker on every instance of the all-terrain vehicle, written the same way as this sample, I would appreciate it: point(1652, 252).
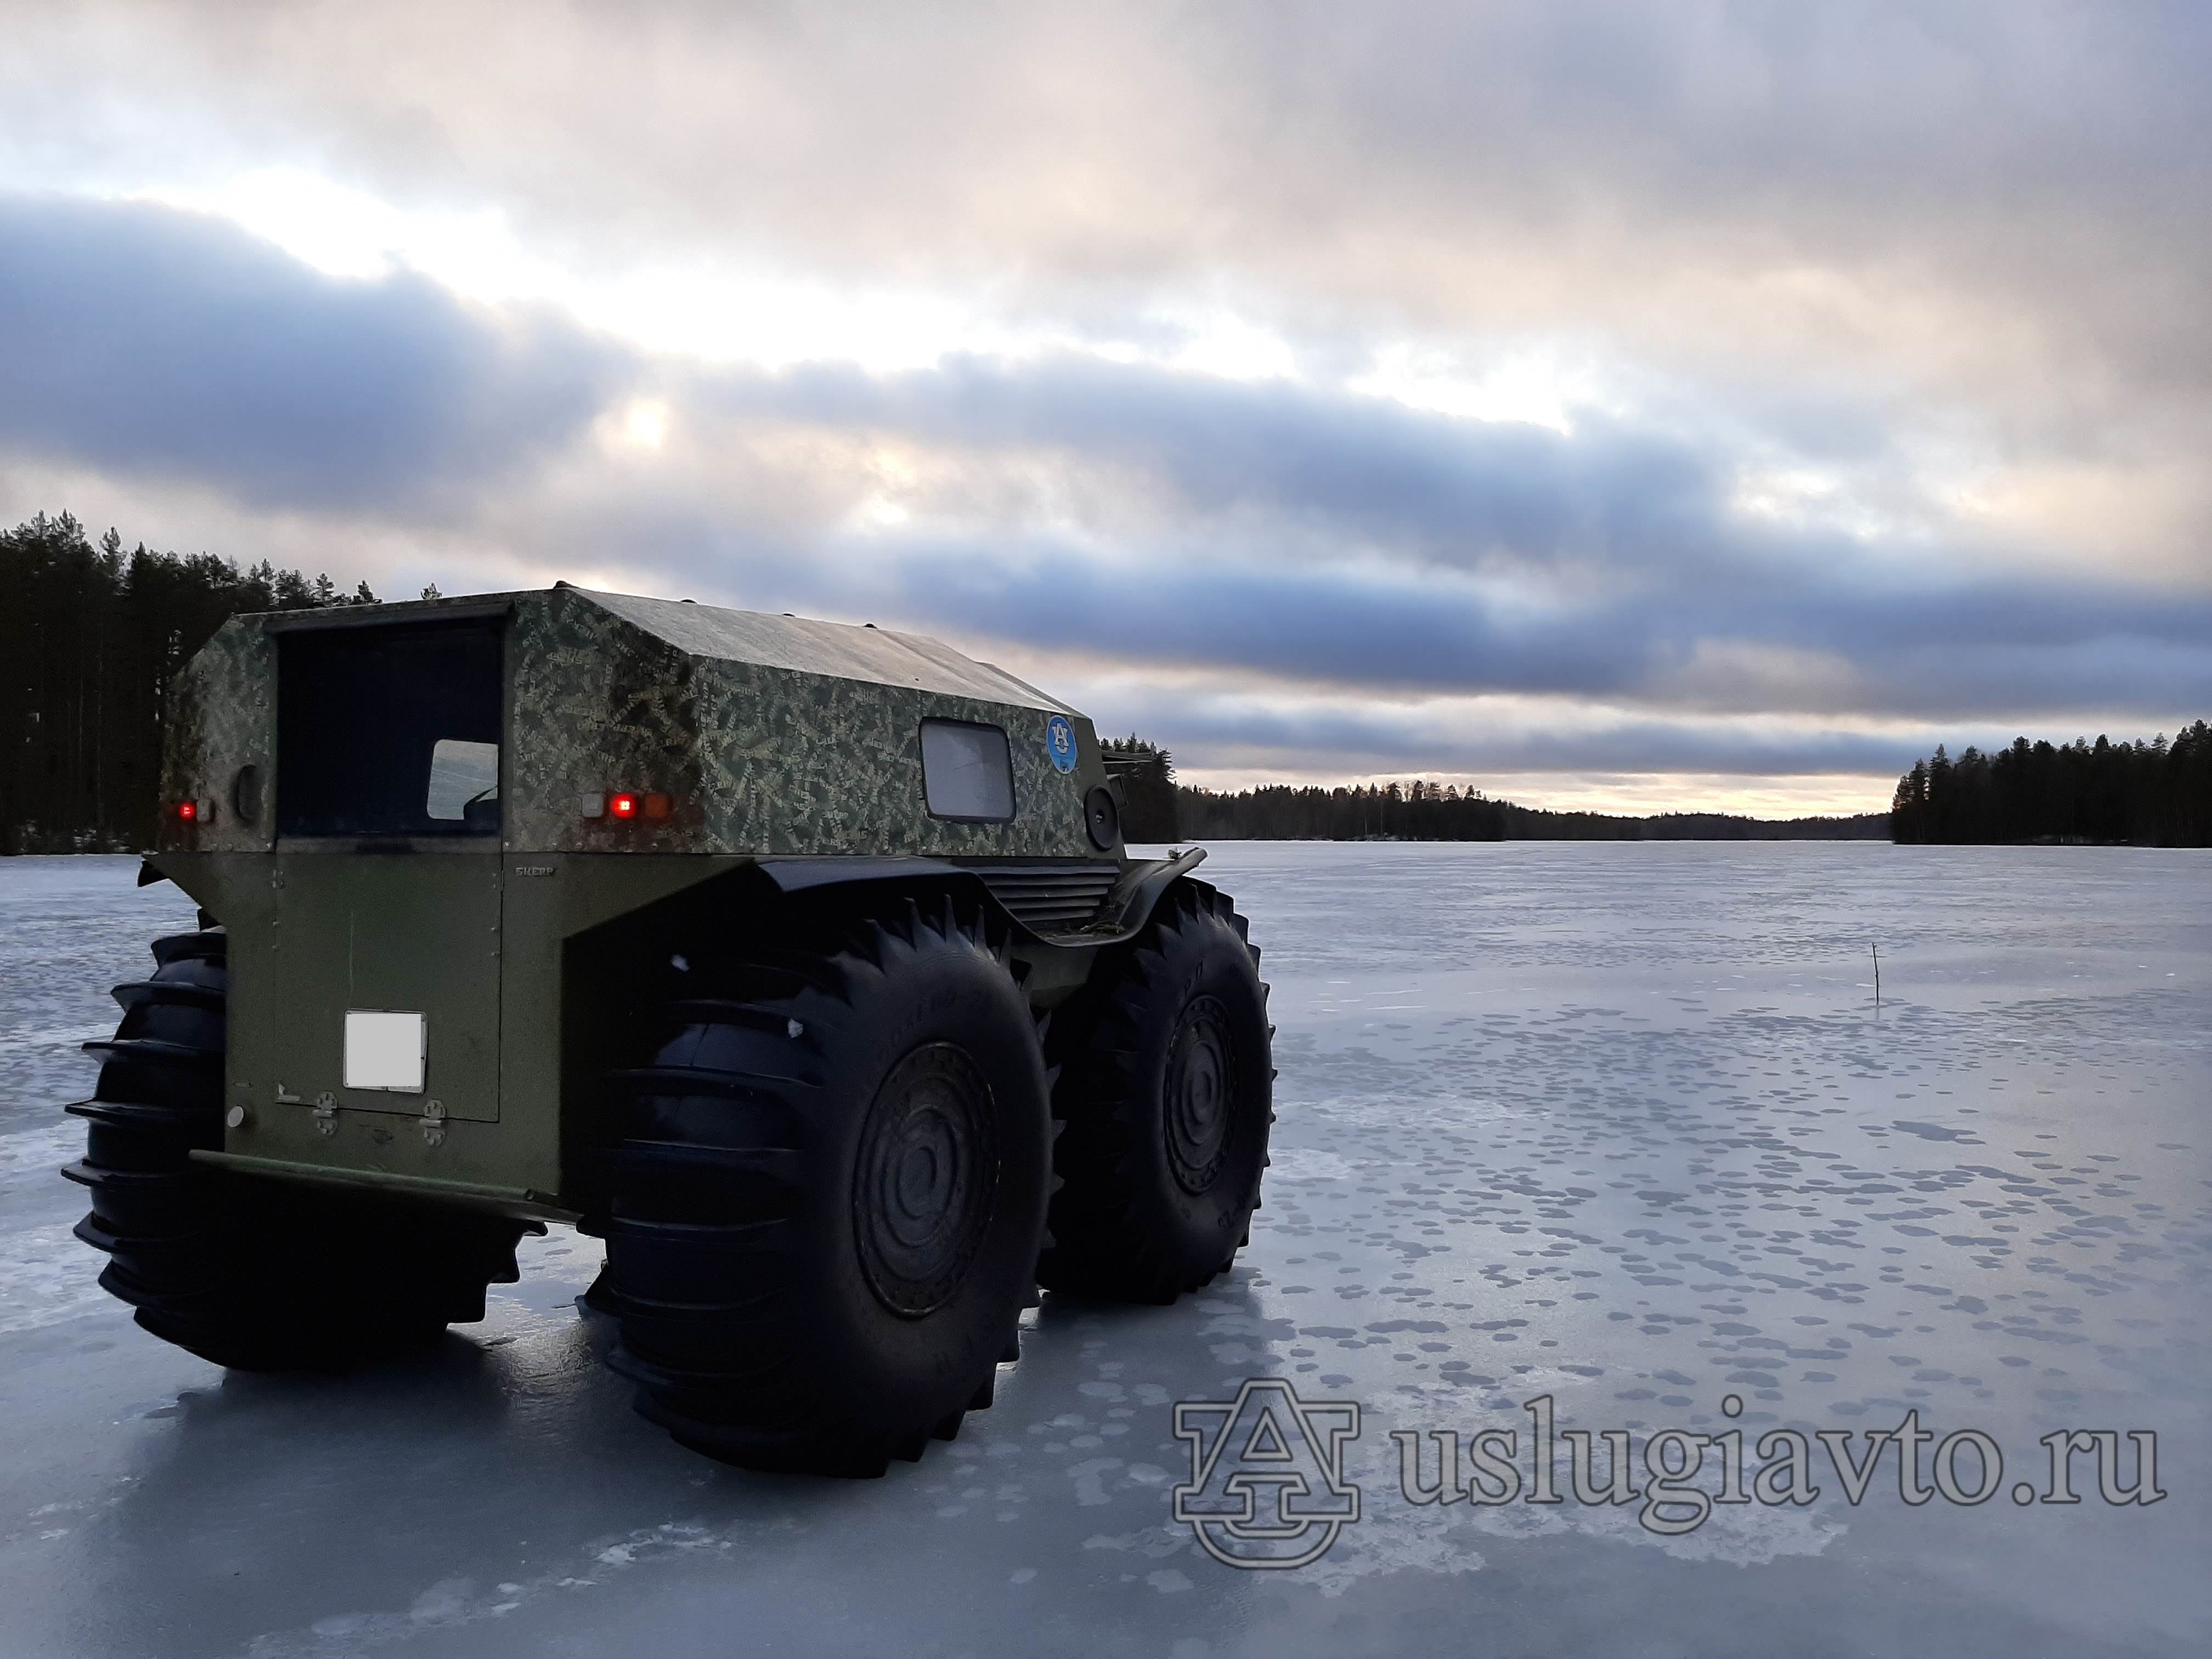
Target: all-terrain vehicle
point(803, 964)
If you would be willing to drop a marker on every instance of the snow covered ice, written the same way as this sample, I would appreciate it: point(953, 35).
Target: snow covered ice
point(1621, 1124)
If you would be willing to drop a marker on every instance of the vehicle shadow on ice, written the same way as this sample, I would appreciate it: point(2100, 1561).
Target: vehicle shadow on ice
point(515, 1457)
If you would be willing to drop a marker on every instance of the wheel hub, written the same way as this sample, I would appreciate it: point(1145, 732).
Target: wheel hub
point(926, 1179)
point(1201, 1095)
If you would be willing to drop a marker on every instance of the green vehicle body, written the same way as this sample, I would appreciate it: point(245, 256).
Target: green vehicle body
point(759, 754)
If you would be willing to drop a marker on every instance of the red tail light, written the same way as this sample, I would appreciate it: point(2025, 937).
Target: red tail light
point(622, 804)
point(187, 811)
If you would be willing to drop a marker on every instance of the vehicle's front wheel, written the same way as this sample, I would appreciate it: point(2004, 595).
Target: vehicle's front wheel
point(827, 1194)
point(1166, 1089)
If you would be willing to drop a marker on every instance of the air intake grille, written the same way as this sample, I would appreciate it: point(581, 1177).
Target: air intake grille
point(1051, 898)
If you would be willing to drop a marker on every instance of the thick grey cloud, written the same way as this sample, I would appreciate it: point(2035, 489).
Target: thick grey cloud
point(1975, 650)
point(1374, 472)
point(1443, 744)
point(140, 338)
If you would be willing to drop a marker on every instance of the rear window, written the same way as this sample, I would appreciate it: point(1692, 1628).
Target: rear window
point(389, 731)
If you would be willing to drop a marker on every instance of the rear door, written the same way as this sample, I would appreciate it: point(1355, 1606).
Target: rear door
point(380, 991)
point(365, 932)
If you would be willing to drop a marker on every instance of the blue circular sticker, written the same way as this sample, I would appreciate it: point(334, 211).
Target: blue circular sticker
point(1059, 743)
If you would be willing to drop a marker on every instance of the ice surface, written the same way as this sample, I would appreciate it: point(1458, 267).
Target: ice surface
point(1617, 1123)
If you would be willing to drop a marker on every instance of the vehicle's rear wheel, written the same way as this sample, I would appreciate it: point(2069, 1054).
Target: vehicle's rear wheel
point(827, 1194)
point(1166, 1088)
point(251, 1273)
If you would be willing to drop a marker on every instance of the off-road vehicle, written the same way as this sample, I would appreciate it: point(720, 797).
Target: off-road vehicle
point(803, 964)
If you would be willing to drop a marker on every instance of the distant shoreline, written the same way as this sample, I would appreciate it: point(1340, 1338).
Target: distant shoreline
point(1423, 812)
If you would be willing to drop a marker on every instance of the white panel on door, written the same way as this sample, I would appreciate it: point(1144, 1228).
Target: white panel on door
point(386, 1050)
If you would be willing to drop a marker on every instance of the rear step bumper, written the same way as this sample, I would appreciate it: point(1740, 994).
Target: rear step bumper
point(522, 1203)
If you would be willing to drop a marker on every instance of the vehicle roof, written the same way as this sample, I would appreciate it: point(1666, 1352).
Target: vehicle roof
point(839, 650)
point(799, 645)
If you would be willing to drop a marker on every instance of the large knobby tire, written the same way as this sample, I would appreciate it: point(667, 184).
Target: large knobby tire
point(829, 1193)
point(1165, 1088)
point(251, 1273)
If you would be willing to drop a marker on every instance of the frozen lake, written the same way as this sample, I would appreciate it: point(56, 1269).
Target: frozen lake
point(1617, 1125)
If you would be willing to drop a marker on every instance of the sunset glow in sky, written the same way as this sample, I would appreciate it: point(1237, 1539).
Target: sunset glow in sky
point(1706, 406)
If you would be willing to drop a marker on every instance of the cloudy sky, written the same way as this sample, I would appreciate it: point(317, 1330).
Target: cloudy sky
point(1710, 406)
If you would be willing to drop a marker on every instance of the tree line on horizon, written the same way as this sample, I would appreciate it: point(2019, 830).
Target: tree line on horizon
point(1159, 809)
point(91, 635)
point(2155, 795)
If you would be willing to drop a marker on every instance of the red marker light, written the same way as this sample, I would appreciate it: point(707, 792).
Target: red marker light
point(623, 804)
point(187, 811)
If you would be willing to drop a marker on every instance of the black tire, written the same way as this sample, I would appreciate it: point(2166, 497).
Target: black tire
point(1166, 1089)
point(829, 1194)
point(252, 1274)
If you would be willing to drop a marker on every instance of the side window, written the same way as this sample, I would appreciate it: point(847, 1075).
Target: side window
point(463, 775)
point(966, 773)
